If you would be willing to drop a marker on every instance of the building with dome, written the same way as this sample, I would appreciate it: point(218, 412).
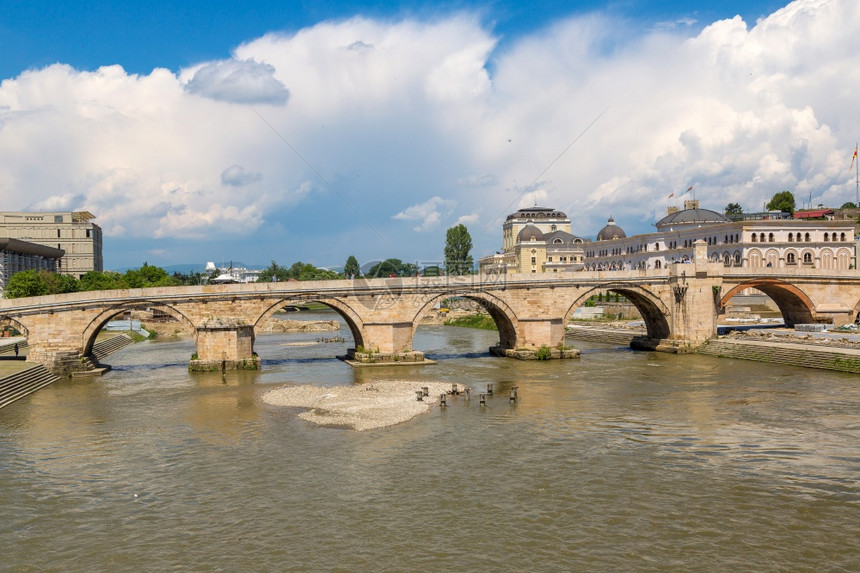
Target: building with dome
point(536, 240)
point(754, 243)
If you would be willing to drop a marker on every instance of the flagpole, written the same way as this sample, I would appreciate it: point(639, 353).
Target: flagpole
point(857, 176)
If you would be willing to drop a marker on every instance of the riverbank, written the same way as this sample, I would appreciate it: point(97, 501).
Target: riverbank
point(840, 352)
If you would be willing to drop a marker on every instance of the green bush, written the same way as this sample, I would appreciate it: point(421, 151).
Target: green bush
point(543, 353)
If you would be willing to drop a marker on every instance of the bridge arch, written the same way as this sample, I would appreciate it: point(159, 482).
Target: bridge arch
point(505, 318)
point(653, 310)
point(88, 337)
point(796, 307)
point(353, 321)
point(20, 327)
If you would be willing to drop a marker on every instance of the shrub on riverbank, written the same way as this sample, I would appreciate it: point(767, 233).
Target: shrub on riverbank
point(481, 321)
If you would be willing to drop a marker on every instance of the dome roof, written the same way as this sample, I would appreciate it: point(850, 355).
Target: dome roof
point(690, 217)
point(611, 231)
point(528, 233)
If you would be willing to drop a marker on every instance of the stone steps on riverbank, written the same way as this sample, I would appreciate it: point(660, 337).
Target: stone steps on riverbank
point(828, 358)
point(792, 354)
point(603, 335)
point(24, 383)
point(111, 345)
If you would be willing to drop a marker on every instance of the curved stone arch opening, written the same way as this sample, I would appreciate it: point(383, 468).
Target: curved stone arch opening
point(796, 307)
point(755, 258)
point(88, 337)
point(504, 318)
point(344, 310)
point(20, 327)
point(653, 310)
point(827, 259)
point(844, 260)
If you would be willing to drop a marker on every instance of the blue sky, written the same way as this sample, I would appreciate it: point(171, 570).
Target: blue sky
point(141, 36)
point(261, 131)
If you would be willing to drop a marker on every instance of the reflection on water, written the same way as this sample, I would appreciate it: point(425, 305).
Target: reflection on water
point(620, 460)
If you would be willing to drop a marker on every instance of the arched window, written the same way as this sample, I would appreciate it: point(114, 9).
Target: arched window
point(806, 238)
point(657, 264)
point(827, 236)
point(770, 237)
point(754, 238)
point(807, 258)
point(791, 237)
point(727, 260)
point(789, 258)
point(761, 237)
point(842, 236)
point(737, 259)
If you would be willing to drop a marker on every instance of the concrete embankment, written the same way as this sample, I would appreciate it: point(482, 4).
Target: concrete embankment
point(792, 354)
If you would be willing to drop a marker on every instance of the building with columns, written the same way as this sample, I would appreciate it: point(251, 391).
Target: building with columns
point(536, 240)
point(17, 256)
point(754, 243)
point(72, 233)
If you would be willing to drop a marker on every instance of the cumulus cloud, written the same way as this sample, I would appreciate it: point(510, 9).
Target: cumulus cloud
point(236, 81)
point(429, 213)
point(590, 115)
point(236, 176)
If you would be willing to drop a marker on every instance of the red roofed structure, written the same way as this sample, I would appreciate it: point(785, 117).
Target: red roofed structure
point(814, 214)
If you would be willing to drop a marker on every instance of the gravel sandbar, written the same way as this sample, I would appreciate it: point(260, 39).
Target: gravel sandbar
point(363, 407)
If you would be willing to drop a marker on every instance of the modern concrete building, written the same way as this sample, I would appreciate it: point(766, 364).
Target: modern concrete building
point(753, 243)
point(17, 256)
point(73, 233)
point(536, 240)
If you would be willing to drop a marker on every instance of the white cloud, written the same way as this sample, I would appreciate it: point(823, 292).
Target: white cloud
point(236, 176)
point(390, 113)
point(467, 219)
point(429, 213)
point(237, 81)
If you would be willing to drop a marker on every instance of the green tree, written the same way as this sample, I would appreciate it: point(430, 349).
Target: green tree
point(385, 268)
point(351, 268)
point(97, 280)
point(733, 210)
point(274, 270)
point(149, 276)
point(458, 245)
point(848, 205)
point(58, 284)
point(782, 201)
point(26, 283)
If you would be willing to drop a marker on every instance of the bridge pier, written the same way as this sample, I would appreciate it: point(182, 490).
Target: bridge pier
point(224, 344)
point(695, 299)
point(535, 333)
point(386, 343)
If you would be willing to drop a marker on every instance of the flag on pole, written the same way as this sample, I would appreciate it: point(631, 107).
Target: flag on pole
point(690, 188)
point(853, 158)
point(671, 195)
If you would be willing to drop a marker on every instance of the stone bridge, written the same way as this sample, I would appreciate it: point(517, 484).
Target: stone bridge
point(679, 305)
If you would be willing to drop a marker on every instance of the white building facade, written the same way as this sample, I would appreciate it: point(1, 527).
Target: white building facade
point(781, 243)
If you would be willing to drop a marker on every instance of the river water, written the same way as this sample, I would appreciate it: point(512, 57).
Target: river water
point(621, 460)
